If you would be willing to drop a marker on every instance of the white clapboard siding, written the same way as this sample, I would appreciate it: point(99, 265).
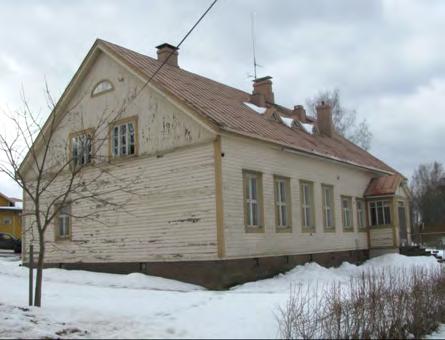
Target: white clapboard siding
point(242, 153)
point(170, 212)
point(382, 238)
point(171, 218)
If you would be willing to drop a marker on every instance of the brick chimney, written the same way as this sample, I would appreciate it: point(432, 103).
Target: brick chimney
point(299, 113)
point(168, 51)
point(262, 91)
point(324, 119)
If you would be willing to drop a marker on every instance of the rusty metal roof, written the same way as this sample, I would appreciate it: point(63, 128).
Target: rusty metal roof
point(383, 185)
point(224, 106)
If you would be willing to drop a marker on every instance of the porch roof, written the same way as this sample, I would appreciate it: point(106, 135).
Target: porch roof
point(383, 185)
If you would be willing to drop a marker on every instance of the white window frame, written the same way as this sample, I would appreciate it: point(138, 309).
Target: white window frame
point(328, 206)
point(282, 202)
point(252, 201)
point(307, 205)
point(64, 222)
point(361, 213)
point(347, 213)
point(123, 139)
point(380, 204)
point(84, 142)
point(102, 87)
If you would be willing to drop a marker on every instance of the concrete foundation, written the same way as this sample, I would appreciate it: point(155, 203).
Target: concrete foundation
point(221, 274)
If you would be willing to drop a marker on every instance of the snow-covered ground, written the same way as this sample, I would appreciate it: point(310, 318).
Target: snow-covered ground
point(92, 305)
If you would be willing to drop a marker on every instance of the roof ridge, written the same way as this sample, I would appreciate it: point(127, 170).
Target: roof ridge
point(174, 67)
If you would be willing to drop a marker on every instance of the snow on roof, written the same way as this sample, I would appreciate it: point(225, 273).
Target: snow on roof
point(287, 121)
point(10, 208)
point(309, 128)
point(258, 109)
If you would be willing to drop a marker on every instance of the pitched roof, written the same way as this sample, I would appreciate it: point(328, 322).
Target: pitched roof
point(224, 106)
point(9, 199)
point(383, 185)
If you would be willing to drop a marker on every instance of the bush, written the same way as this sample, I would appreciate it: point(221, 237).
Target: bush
point(384, 304)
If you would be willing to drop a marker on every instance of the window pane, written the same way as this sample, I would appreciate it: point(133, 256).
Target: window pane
point(373, 215)
point(255, 214)
point(306, 194)
point(308, 222)
point(74, 150)
point(253, 188)
point(131, 139)
point(61, 226)
point(282, 191)
point(87, 149)
point(387, 215)
point(123, 139)
point(380, 220)
point(116, 141)
point(283, 221)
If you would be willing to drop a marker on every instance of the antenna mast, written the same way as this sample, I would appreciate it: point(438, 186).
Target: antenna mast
point(252, 22)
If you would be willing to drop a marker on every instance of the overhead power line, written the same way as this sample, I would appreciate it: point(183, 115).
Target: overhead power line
point(180, 43)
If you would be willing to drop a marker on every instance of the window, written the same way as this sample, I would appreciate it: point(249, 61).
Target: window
point(7, 220)
point(380, 213)
point(102, 87)
point(282, 202)
point(361, 215)
point(81, 148)
point(328, 207)
point(346, 205)
point(63, 223)
point(307, 205)
point(253, 203)
point(123, 138)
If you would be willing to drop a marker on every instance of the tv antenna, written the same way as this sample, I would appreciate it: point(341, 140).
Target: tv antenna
point(252, 28)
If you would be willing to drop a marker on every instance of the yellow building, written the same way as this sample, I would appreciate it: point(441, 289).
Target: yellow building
point(10, 216)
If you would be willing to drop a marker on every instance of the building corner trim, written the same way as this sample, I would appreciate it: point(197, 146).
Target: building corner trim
point(219, 197)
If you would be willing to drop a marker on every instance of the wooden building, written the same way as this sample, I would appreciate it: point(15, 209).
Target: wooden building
point(10, 216)
point(235, 186)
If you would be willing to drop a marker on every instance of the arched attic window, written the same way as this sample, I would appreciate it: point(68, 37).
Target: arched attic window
point(101, 87)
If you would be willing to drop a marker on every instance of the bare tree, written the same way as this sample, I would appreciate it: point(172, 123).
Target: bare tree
point(53, 171)
point(428, 190)
point(344, 119)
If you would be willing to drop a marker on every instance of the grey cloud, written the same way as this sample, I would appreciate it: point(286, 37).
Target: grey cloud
point(379, 53)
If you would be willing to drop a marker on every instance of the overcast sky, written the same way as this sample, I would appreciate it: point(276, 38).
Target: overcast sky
point(386, 57)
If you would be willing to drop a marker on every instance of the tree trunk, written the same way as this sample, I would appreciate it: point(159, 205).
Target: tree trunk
point(39, 276)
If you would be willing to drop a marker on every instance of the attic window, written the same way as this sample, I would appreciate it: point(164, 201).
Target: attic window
point(102, 87)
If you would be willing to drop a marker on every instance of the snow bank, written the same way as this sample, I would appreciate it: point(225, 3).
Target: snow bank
point(439, 334)
point(312, 274)
point(80, 277)
point(96, 305)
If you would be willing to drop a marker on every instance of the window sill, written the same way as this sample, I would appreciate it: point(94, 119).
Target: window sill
point(63, 239)
point(308, 230)
point(384, 226)
point(79, 168)
point(119, 159)
point(348, 230)
point(282, 230)
point(253, 230)
point(362, 230)
point(329, 230)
